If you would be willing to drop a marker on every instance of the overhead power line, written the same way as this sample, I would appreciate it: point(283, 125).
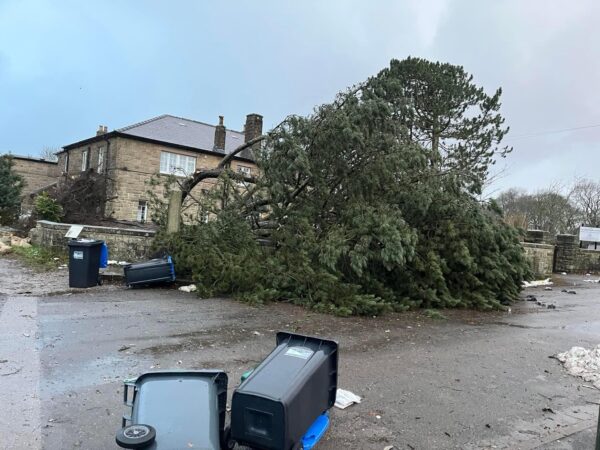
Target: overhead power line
point(542, 133)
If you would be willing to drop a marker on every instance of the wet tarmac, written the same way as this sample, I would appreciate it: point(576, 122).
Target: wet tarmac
point(475, 380)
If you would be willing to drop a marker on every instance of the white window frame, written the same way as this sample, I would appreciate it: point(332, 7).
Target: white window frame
point(244, 170)
point(84, 159)
point(177, 164)
point(142, 211)
point(100, 160)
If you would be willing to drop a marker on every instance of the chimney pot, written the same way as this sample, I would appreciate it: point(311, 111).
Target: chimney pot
point(101, 130)
point(221, 120)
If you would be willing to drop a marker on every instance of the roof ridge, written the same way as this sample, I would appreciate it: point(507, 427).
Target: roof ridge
point(200, 122)
point(143, 122)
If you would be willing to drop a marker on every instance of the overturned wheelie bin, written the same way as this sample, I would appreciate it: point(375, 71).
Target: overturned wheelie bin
point(175, 410)
point(285, 395)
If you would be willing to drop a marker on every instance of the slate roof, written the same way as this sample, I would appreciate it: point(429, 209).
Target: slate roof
point(177, 131)
point(180, 131)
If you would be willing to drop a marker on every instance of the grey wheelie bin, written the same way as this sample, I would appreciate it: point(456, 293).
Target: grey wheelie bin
point(280, 400)
point(175, 410)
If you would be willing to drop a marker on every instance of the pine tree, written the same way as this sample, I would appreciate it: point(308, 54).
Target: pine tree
point(11, 187)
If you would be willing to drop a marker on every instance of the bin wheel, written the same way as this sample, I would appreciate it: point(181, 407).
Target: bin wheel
point(299, 446)
point(135, 436)
point(226, 442)
point(100, 280)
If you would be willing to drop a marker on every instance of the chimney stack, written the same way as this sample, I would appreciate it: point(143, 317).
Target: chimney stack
point(253, 127)
point(220, 135)
point(102, 129)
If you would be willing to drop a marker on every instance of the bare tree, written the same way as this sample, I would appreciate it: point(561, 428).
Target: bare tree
point(49, 153)
point(547, 210)
point(586, 196)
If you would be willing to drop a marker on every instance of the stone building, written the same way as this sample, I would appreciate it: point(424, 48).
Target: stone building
point(128, 157)
point(37, 174)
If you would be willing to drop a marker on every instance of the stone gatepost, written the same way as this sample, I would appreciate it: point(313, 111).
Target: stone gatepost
point(566, 251)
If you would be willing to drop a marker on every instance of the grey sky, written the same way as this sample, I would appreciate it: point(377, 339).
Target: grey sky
point(68, 66)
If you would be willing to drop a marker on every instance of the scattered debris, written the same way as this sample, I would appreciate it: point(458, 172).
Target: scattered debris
point(563, 273)
point(551, 306)
point(535, 283)
point(583, 363)
point(256, 333)
point(547, 288)
point(188, 288)
point(125, 347)
point(531, 298)
point(548, 410)
point(591, 280)
point(388, 447)
point(5, 249)
point(571, 292)
point(344, 398)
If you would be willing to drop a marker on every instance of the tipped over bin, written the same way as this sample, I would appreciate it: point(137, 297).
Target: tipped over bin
point(175, 410)
point(278, 402)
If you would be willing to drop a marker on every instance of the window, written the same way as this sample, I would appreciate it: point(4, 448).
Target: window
point(244, 170)
point(100, 159)
point(175, 164)
point(142, 212)
point(84, 160)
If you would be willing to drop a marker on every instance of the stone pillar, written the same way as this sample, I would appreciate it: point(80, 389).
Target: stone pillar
point(174, 212)
point(566, 249)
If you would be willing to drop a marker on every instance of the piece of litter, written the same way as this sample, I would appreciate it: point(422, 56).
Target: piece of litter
point(124, 347)
point(256, 333)
point(388, 447)
point(26, 334)
point(591, 280)
point(547, 288)
point(188, 288)
point(344, 398)
point(549, 410)
point(387, 331)
point(563, 273)
point(378, 417)
point(534, 283)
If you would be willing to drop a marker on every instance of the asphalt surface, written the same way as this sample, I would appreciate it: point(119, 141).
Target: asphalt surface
point(473, 381)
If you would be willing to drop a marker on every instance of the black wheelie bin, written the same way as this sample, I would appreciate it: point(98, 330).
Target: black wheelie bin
point(278, 402)
point(84, 263)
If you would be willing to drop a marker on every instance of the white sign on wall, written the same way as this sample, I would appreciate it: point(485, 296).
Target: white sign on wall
point(589, 234)
point(74, 231)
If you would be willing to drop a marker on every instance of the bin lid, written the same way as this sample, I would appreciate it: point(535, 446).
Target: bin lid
point(182, 406)
point(84, 243)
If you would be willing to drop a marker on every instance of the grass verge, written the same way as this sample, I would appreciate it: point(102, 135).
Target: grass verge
point(40, 258)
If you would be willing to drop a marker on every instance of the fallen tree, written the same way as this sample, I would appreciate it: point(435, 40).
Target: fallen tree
point(370, 203)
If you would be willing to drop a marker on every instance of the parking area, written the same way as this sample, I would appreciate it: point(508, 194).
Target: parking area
point(473, 380)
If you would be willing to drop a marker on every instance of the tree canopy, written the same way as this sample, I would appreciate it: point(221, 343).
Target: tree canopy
point(368, 204)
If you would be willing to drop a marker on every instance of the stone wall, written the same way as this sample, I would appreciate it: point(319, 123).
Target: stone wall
point(587, 261)
point(123, 244)
point(540, 258)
